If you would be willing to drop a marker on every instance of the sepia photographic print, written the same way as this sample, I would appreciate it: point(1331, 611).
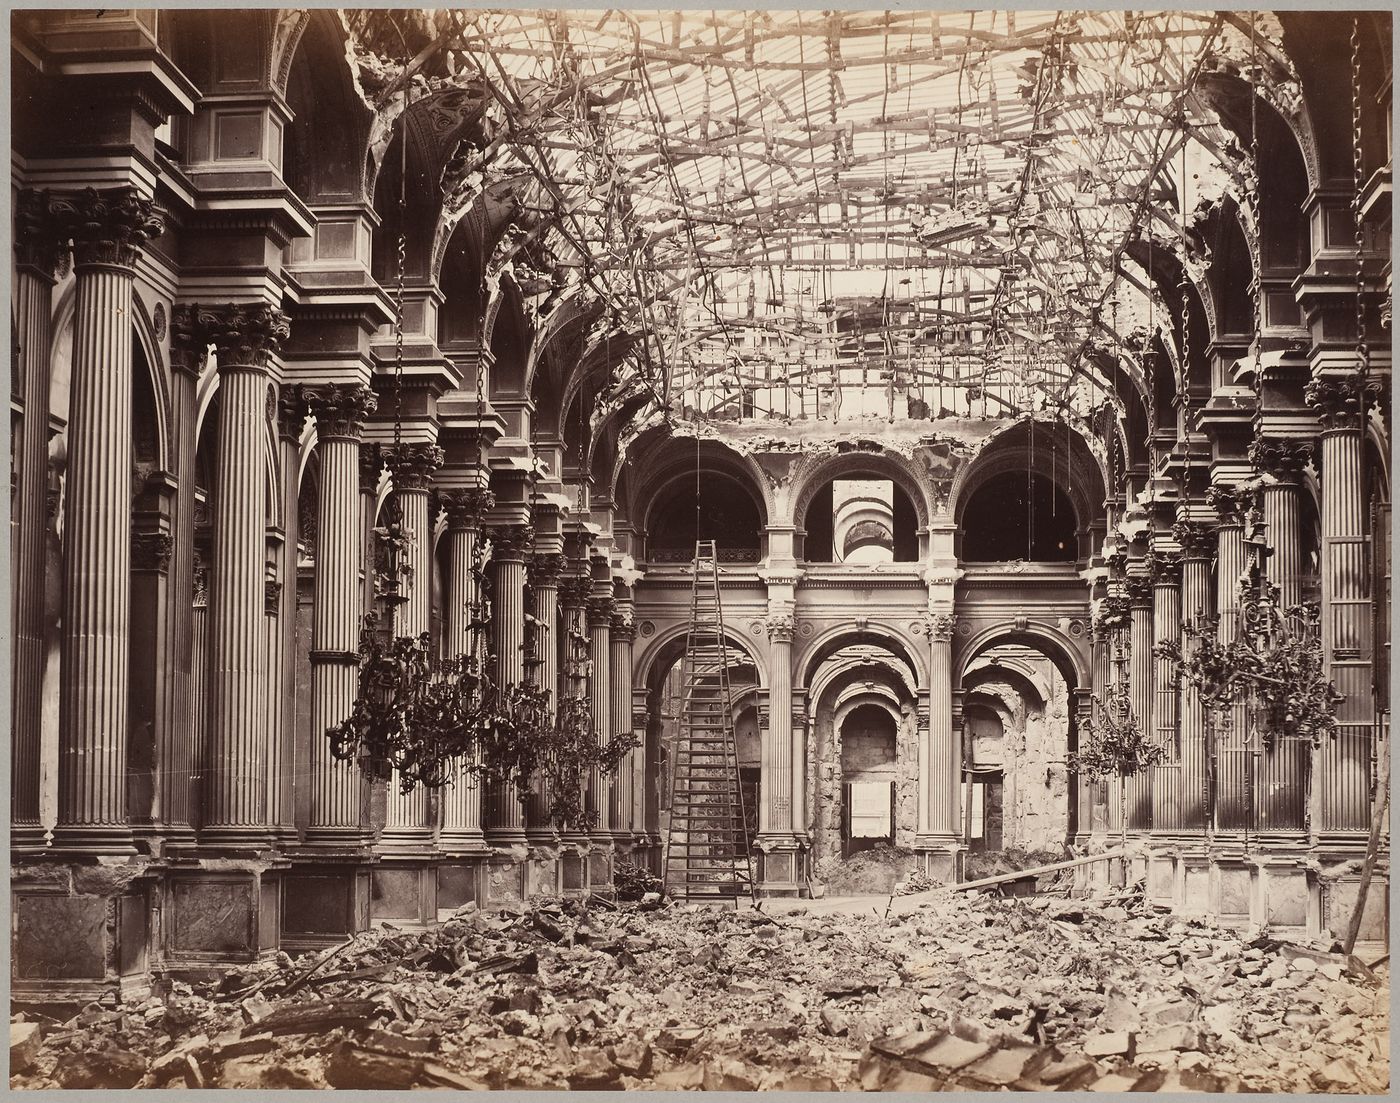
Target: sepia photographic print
point(608, 550)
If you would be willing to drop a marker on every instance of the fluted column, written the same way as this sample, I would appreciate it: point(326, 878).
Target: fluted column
point(1233, 800)
point(338, 788)
point(292, 413)
point(542, 574)
point(775, 806)
point(1166, 621)
point(236, 791)
point(461, 805)
point(107, 229)
point(1197, 542)
point(940, 751)
point(1342, 797)
point(504, 816)
point(574, 589)
point(36, 258)
point(1282, 463)
point(408, 826)
point(622, 632)
point(1140, 670)
point(600, 611)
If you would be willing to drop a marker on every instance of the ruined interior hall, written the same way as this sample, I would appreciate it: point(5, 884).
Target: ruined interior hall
point(432, 430)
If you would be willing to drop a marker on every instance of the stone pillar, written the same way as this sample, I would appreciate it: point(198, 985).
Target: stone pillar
point(408, 828)
point(1140, 669)
point(777, 841)
point(1232, 800)
point(543, 573)
point(236, 796)
point(1197, 542)
point(107, 229)
point(188, 354)
point(1166, 620)
point(292, 413)
point(622, 632)
point(505, 823)
point(1281, 463)
point(940, 751)
point(337, 818)
point(36, 258)
point(574, 589)
point(461, 807)
point(600, 785)
point(1285, 766)
point(1341, 790)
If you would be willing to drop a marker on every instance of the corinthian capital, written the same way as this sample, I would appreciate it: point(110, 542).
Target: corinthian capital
point(508, 542)
point(600, 611)
point(780, 625)
point(1338, 399)
point(1230, 502)
point(941, 627)
point(107, 227)
point(38, 248)
point(413, 464)
point(1283, 459)
point(189, 344)
point(340, 409)
point(546, 570)
point(574, 590)
point(466, 508)
point(244, 335)
point(1196, 538)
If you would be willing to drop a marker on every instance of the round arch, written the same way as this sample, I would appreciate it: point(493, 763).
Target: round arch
point(861, 463)
point(808, 659)
point(1070, 659)
point(666, 648)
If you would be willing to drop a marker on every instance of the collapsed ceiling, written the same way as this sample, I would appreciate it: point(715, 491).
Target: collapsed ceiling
point(796, 210)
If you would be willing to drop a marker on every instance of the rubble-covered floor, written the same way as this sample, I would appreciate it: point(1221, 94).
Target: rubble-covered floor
point(948, 990)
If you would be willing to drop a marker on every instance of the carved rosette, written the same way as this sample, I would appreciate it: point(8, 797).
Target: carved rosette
point(509, 541)
point(546, 569)
point(1283, 459)
point(1197, 539)
point(150, 551)
point(371, 468)
point(107, 227)
point(466, 508)
point(1165, 568)
point(600, 610)
point(1230, 503)
point(340, 409)
point(413, 464)
point(189, 346)
point(38, 248)
point(245, 335)
point(780, 627)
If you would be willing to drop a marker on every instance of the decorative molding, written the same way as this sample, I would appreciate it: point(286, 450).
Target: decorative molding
point(413, 464)
point(150, 551)
point(371, 467)
point(340, 409)
point(466, 508)
point(38, 249)
point(107, 227)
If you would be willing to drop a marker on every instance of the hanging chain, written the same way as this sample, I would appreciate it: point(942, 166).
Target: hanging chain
point(1256, 209)
point(1363, 355)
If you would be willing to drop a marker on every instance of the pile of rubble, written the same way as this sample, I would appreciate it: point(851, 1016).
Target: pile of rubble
point(956, 991)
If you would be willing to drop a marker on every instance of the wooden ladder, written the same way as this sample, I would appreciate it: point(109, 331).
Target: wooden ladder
point(707, 851)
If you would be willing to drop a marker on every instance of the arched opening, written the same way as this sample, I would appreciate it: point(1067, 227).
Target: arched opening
point(1019, 515)
point(862, 519)
point(869, 755)
point(713, 506)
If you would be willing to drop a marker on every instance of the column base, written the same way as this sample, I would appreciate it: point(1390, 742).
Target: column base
point(76, 842)
point(779, 865)
point(403, 891)
point(222, 913)
point(600, 863)
point(28, 840)
point(573, 865)
point(505, 866)
point(81, 932)
point(461, 880)
point(940, 858)
point(324, 902)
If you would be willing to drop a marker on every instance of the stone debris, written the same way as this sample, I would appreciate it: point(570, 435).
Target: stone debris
point(964, 991)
